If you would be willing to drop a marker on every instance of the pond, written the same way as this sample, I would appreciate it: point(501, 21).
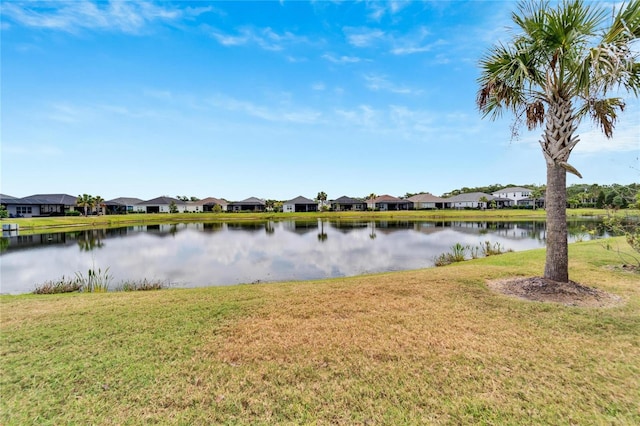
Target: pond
point(221, 253)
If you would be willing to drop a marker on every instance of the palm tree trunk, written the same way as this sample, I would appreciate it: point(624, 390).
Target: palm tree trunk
point(556, 266)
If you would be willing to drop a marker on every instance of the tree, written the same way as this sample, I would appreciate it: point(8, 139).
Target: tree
point(85, 201)
point(173, 207)
point(560, 68)
point(98, 202)
point(322, 197)
point(600, 201)
point(483, 202)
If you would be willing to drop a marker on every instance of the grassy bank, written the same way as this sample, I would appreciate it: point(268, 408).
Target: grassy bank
point(42, 224)
point(430, 346)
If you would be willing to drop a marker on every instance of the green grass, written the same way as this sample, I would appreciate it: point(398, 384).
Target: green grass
point(46, 224)
point(431, 346)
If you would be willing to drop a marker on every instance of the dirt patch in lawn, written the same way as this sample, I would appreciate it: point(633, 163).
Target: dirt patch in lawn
point(540, 289)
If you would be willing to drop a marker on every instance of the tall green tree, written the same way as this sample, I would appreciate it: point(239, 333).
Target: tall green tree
point(563, 64)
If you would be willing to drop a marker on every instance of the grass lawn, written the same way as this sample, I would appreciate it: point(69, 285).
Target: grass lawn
point(431, 346)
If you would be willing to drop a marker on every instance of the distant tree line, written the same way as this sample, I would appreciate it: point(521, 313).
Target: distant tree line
point(578, 195)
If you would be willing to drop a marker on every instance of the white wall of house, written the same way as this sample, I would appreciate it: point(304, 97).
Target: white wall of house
point(513, 195)
point(190, 208)
point(23, 210)
point(288, 208)
point(467, 204)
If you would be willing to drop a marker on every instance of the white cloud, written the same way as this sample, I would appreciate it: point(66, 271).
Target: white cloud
point(128, 17)
point(342, 59)
point(626, 138)
point(380, 82)
point(266, 38)
point(416, 42)
point(319, 86)
point(363, 37)
point(377, 9)
point(268, 113)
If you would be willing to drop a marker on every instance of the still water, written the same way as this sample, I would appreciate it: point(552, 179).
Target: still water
point(212, 254)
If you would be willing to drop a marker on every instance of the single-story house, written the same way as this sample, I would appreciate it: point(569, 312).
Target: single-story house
point(300, 204)
point(388, 202)
point(427, 201)
point(252, 204)
point(477, 200)
point(123, 205)
point(39, 205)
point(162, 205)
point(208, 204)
point(15, 206)
point(345, 203)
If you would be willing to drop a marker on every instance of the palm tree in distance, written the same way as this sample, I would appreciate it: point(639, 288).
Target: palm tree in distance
point(98, 202)
point(322, 197)
point(560, 68)
point(85, 201)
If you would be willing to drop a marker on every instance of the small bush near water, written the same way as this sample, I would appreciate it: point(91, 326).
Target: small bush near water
point(63, 285)
point(459, 252)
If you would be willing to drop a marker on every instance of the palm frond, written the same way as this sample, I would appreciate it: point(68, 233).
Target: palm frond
point(603, 112)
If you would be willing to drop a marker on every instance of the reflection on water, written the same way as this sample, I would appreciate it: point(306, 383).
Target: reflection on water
point(220, 253)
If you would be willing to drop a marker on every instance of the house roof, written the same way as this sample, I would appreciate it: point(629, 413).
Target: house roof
point(386, 199)
point(8, 199)
point(210, 201)
point(251, 201)
point(63, 199)
point(513, 189)
point(347, 200)
point(470, 197)
point(161, 200)
point(300, 200)
point(426, 198)
point(124, 201)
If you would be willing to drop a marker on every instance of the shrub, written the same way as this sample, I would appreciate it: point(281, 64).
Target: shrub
point(63, 285)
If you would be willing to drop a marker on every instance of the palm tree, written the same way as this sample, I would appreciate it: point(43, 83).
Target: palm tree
point(322, 197)
point(98, 201)
point(483, 202)
point(561, 68)
point(84, 200)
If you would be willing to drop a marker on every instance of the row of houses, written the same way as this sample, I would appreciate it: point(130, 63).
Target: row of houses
point(60, 204)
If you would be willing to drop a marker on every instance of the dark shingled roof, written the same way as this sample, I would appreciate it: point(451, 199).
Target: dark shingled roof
point(300, 200)
point(63, 199)
point(161, 200)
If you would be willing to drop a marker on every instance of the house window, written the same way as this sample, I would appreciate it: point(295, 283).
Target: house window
point(23, 210)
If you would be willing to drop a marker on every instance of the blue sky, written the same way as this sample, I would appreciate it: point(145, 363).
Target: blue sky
point(267, 99)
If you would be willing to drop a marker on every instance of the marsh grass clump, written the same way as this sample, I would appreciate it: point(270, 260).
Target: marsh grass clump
point(62, 285)
point(96, 280)
point(141, 285)
point(459, 253)
point(489, 249)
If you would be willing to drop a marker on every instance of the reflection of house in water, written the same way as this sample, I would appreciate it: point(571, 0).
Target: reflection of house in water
point(389, 226)
point(430, 227)
point(249, 226)
point(160, 230)
point(348, 225)
point(21, 242)
point(512, 230)
point(211, 227)
point(300, 227)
